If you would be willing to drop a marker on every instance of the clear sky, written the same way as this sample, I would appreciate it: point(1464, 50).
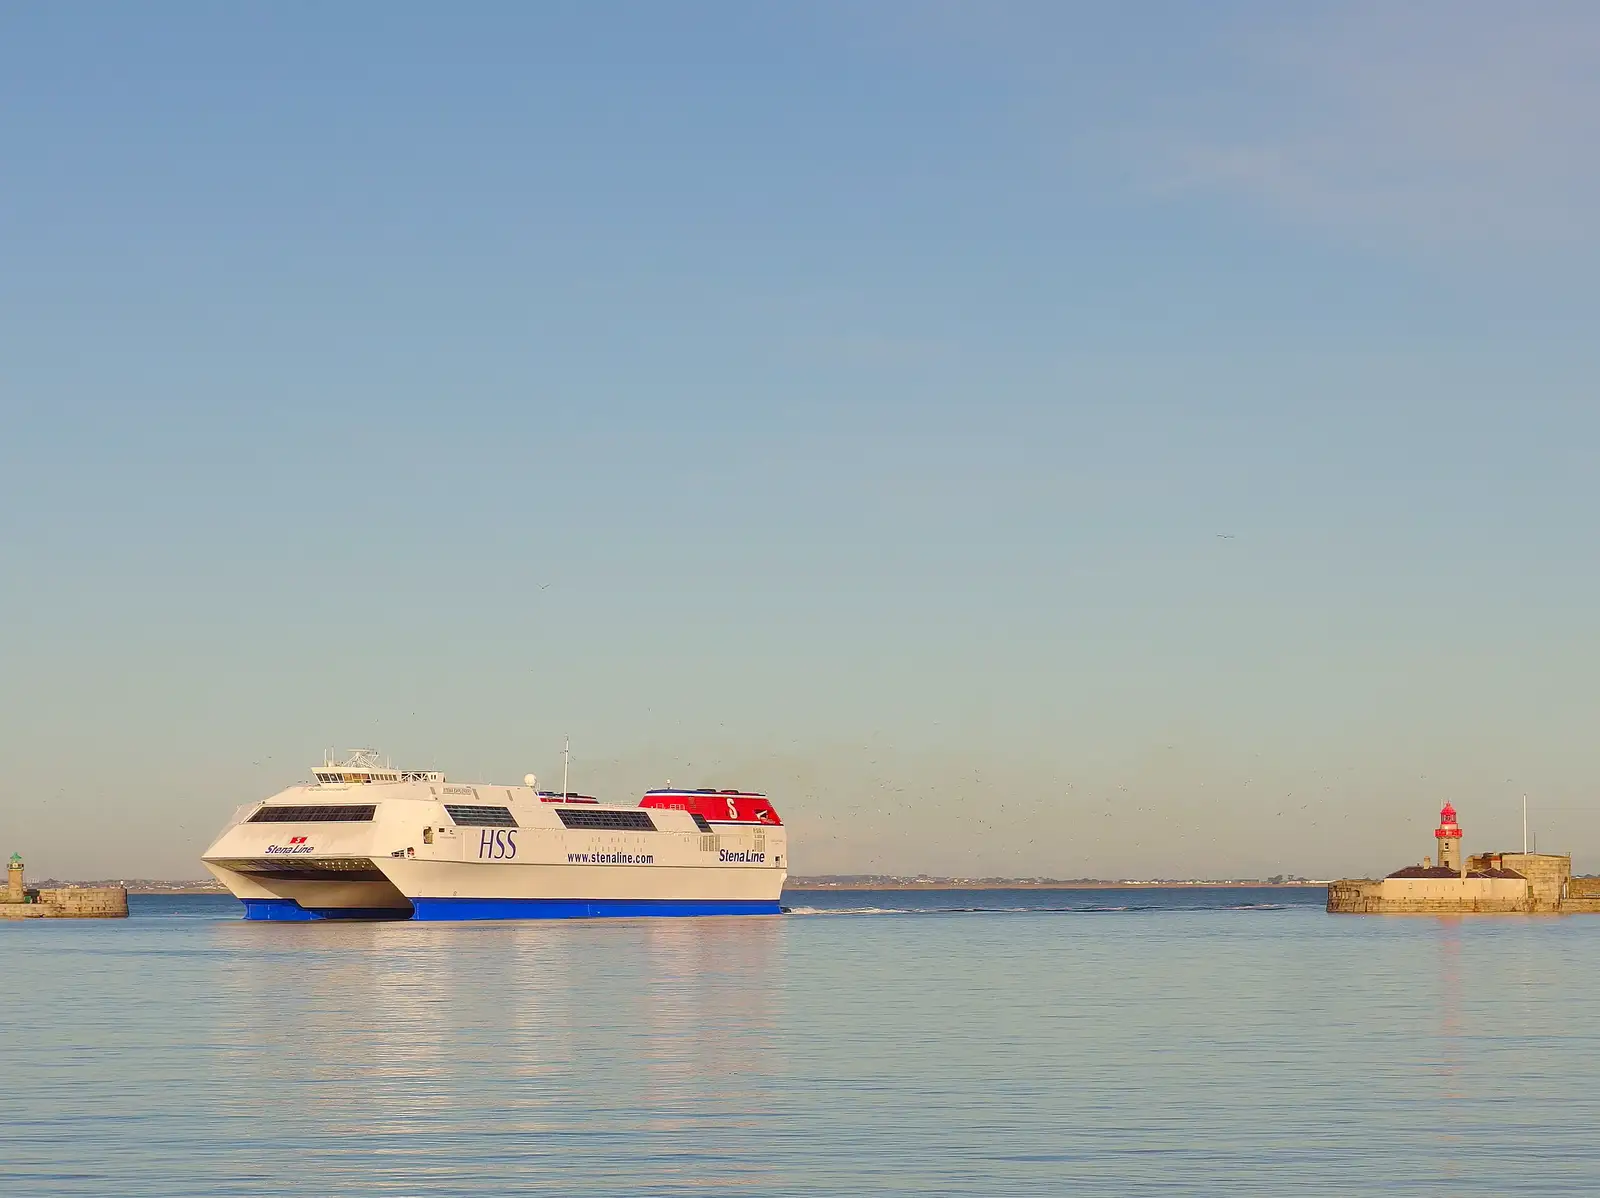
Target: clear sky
point(1113, 440)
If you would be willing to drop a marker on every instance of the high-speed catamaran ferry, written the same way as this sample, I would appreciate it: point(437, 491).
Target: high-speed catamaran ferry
point(366, 841)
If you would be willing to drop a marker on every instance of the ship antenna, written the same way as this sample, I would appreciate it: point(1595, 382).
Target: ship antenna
point(566, 764)
point(1524, 825)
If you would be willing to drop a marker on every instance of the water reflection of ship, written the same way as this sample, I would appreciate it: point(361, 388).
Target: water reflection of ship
point(710, 1005)
point(726, 977)
point(379, 1038)
point(360, 1023)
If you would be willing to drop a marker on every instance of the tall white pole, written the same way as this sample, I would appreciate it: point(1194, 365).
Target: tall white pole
point(566, 759)
point(1524, 825)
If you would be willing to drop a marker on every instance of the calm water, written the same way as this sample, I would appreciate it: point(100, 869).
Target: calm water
point(1226, 1042)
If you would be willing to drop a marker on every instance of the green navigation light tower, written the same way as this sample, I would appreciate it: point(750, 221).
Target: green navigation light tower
point(15, 892)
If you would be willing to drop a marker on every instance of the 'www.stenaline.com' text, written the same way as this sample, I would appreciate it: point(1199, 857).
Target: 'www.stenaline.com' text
point(610, 859)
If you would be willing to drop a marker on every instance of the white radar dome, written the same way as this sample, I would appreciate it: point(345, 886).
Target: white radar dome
point(529, 780)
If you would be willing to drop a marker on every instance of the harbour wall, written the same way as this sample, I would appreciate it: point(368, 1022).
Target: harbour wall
point(1547, 874)
point(69, 902)
point(1545, 887)
point(1364, 896)
point(1583, 895)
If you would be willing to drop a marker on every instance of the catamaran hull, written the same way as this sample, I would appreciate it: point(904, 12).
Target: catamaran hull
point(458, 891)
point(426, 851)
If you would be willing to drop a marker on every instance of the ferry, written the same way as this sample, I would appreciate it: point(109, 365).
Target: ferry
point(363, 840)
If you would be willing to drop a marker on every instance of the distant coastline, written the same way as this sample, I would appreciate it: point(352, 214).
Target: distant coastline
point(853, 882)
point(148, 885)
point(819, 882)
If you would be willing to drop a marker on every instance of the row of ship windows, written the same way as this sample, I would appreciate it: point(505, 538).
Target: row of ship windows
point(624, 821)
point(629, 821)
point(466, 816)
point(353, 813)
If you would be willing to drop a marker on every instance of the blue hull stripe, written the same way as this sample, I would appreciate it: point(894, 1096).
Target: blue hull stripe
point(279, 909)
point(513, 908)
point(548, 908)
point(282, 909)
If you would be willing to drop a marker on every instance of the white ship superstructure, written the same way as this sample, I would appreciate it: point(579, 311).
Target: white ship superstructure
point(363, 840)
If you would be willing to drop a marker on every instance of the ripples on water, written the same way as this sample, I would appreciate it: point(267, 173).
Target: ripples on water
point(1038, 1042)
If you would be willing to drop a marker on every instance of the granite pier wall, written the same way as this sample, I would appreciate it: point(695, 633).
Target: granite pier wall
point(69, 902)
point(1545, 887)
point(1366, 897)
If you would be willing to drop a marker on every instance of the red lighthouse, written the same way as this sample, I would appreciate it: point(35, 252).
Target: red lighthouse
point(1448, 834)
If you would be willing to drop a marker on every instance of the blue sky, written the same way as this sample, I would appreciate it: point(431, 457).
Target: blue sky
point(842, 400)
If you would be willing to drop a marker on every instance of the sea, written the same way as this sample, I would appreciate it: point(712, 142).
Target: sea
point(1187, 1041)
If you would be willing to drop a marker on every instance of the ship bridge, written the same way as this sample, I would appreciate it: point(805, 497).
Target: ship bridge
point(363, 767)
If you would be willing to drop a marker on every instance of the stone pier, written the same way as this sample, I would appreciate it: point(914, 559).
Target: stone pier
point(59, 902)
point(1487, 884)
